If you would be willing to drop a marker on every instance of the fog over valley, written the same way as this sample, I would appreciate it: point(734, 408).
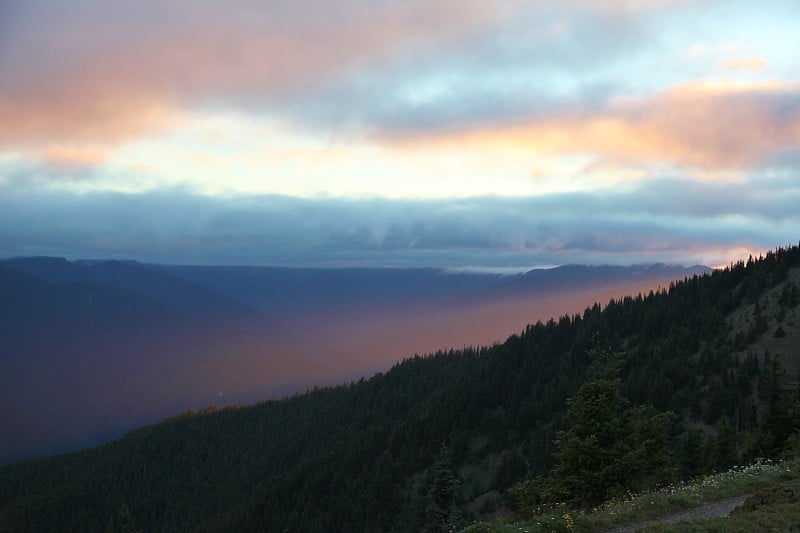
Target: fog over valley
point(95, 348)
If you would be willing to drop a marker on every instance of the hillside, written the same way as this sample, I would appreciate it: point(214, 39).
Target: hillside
point(359, 457)
point(122, 344)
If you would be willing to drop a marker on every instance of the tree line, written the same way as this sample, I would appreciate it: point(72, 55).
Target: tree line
point(363, 456)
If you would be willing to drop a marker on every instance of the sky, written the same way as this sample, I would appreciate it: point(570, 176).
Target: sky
point(451, 133)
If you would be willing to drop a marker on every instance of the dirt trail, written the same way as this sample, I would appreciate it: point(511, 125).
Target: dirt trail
point(706, 510)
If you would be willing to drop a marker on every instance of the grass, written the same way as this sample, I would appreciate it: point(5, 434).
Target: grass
point(775, 508)
point(638, 507)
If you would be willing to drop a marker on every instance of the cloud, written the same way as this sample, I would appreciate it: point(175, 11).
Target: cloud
point(533, 59)
point(724, 126)
point(697, 125)
point(115, 70)
point(73, 156)
point(748, 63)
point(669, 220)
point(110, 72)
point(512, 89)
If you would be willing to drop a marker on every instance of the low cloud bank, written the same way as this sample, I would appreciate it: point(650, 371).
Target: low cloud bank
point(660, 221)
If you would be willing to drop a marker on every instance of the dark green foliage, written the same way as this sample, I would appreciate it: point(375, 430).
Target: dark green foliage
point(779, 333)
point(775, 425)
point(123, 522)
point(691, 453)
point(361, 457)
point(609, 447)
point(794, 412)
point(790, 296)
point(512, 468)
point(758, 328)
point(763, 382)
point(442, 514)
point(591, 453)
point(723, 448)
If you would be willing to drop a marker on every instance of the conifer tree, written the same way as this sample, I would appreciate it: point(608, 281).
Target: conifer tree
point(775, 424)
point(608, 446)
point(691, 453)
point(795, 410)
point(723, 451)
point(124, 522)
point(442, 512)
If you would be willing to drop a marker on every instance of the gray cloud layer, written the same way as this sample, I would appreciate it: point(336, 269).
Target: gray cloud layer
point(110, 70)
point(666, 220)
point(538, 60)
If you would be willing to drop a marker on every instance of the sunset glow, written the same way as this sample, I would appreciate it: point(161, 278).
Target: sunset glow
point(264, 122)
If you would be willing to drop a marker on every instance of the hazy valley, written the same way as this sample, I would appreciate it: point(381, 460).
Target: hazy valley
point(121, 344)
point(714, 349)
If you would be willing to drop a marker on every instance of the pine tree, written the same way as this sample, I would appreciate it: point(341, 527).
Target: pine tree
point(124, 522)
point(691, 453)
point(590, 453)
point(792, 447)
point(795, 410)
point(775, 424)
point(723, 451)
point(442, 512)
point(608, 446)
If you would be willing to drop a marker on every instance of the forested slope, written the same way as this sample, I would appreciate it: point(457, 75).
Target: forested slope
point(121, 344)
point(358, 457)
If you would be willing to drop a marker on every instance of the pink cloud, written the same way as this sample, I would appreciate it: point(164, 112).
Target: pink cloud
point(99, 70)
point(749, 63)
point(704, 126)
point(712, 125)
point(73, 155)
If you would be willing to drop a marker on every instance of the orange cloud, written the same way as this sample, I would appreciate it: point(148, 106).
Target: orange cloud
point(96, 114)
point(74, 155)
point(750, 63)
point(132, 76)
point(701, 125)
point(717, 125)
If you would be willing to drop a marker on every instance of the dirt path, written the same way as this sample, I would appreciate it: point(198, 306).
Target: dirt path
point(707, 510)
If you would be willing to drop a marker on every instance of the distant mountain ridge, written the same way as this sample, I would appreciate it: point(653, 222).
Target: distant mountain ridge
point(269, 288)
point(583, 276)
point(125, 343)
point(232, 288)
point(360, 457)
point(152, 281)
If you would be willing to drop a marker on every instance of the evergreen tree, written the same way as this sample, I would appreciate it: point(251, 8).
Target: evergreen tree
point(124, 522)
point(608, 446)
point(691, 454)
point(723, 450)
point(792, 446)
point(775, 424)
point(766, 362)
point(442, 513)
point(795, 410)
point(789, 296)
point(590, 453)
